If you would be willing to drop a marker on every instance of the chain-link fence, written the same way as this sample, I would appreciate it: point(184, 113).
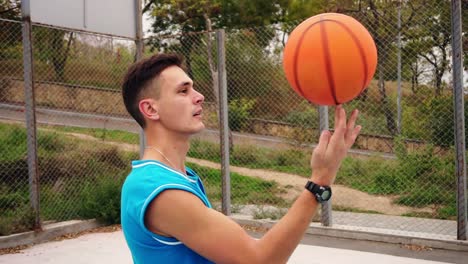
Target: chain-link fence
point(77, 78)
point(398, 178)
point(14, 191)
point(80, 119)
point(401, 165)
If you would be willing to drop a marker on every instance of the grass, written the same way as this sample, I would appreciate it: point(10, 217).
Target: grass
point(80, 179)
point(293, 161)
point(103, 134)
point(246, 190)
point(416, 179)
point(65, 166)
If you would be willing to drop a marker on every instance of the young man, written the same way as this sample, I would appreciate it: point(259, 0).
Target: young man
point(166, 216)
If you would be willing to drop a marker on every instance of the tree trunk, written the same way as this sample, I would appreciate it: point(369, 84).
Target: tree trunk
point(414, 78)
point(389, 115)
point(440, 71)
point(438, 83)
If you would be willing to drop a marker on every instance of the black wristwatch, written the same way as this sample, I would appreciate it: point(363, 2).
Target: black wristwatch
point(321, 193)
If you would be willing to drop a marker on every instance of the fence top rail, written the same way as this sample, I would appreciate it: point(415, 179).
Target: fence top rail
point(70, 29)
point(10, 20)
point(70, 85)
point(82, 31)
point(168, 36)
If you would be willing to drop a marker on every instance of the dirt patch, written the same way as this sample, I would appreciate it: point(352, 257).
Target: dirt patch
point(342, 196)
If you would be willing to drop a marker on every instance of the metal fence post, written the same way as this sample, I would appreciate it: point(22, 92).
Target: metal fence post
point(459, 120)
point(326, 216)
point(30, 113)
point(139, 56)
point(223, 123)
point(399, 70)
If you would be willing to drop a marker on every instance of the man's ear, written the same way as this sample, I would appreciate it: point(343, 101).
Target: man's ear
point(148, 108)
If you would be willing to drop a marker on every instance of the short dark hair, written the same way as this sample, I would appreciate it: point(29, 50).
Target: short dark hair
point(139, 76)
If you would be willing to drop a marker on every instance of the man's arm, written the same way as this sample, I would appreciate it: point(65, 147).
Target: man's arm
point(218, 238)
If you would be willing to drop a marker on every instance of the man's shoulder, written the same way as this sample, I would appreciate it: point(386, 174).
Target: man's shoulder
point(151, 174)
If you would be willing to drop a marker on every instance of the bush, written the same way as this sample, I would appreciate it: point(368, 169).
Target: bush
point(308, 118)
point(14, 221)
point(291, 157)
point(245, 190)
point(10, 200)
point(16, 213)
point(420, 197)
point(414, 123)
point(418, 178)
point(101, 200)
point(448, 212)
point(388, 181)
point(239, 113)
point(247, 155)
point(204, 150)
point(50, 142)
point(441, 120)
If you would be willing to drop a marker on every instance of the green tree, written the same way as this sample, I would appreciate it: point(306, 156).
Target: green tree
point(10, 33)
point(53, 45)
point(428, 40)
point(178, 17)
point(380, 18)
point(293, 12)
point(434, 39)
point(10, 9)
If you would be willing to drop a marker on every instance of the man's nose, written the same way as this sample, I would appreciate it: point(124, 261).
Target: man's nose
point(199, 98)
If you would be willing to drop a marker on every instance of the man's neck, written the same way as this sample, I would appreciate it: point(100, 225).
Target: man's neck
point(168, 148)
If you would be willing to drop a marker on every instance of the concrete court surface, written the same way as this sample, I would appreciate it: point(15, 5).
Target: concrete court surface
point(111, 248)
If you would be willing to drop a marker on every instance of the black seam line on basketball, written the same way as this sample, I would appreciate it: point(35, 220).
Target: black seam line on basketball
point(326, 57)
point(296, 53)
point(361, 52)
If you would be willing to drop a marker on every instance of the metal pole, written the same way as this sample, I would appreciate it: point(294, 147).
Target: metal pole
point(30, 113)
point(85, 12)
point(326, 216)
point(138, 56)
point(459, 120)
point(399, 71)
point(223, 123)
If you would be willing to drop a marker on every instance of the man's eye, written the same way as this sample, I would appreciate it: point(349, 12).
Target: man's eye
point(183, 91)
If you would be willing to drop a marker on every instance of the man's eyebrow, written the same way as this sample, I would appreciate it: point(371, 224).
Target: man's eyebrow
point(186, 83)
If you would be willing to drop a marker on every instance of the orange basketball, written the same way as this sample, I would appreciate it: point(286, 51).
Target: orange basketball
point(330, 59)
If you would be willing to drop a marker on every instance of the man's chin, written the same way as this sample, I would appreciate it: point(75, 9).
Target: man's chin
point(199, 129)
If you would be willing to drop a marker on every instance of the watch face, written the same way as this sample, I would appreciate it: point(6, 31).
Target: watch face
point(326, 195)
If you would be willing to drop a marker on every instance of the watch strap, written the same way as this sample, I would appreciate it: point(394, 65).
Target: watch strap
point(318, 190)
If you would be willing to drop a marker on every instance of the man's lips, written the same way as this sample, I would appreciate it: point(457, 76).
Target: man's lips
point(198, 113)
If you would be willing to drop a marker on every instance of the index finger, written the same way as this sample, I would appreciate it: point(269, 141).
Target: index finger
point(352, 119)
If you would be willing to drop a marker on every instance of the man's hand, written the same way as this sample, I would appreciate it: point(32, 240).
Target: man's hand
point(332, 149)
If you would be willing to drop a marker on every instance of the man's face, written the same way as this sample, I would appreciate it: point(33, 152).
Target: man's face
point(179, 104)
